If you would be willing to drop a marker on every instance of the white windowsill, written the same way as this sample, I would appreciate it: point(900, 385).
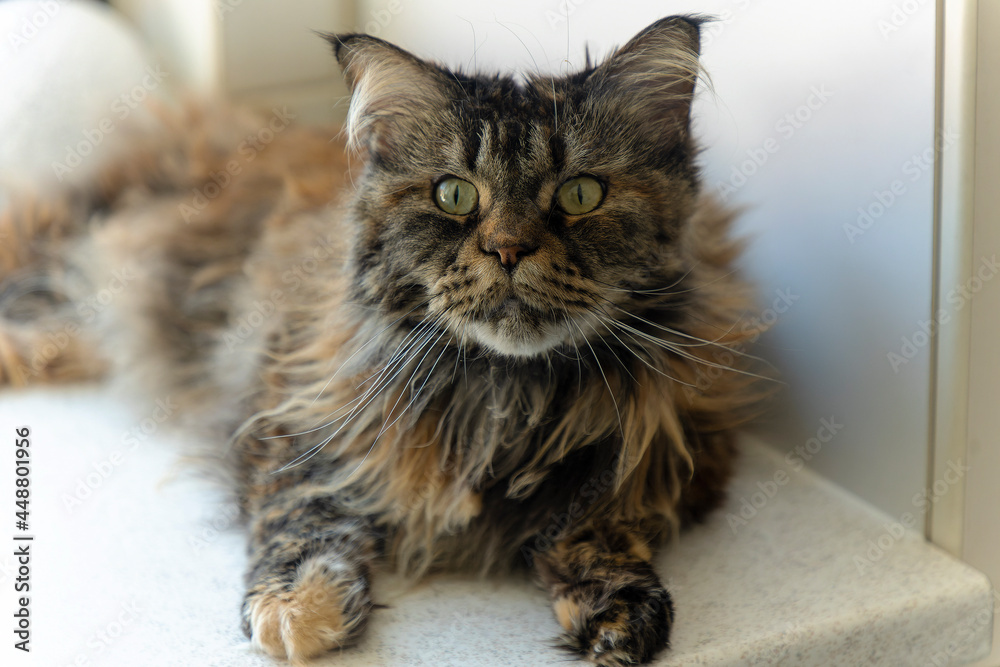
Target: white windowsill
point(140, 558)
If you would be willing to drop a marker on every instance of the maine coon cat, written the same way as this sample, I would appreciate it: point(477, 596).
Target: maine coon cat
point(506, 332)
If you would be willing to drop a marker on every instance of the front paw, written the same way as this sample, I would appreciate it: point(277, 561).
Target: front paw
point(614, 626)
point(322, 608)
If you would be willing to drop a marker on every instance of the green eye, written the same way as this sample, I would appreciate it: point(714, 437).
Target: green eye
point(455, 196)
point(580, 195)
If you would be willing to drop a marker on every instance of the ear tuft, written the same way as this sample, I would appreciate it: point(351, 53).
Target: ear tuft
point(653, 76)
point(391, 90)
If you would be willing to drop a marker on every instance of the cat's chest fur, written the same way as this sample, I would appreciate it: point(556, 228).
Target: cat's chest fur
point(474, 450)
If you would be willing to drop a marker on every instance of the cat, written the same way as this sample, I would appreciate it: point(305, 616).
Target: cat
point(497, 325)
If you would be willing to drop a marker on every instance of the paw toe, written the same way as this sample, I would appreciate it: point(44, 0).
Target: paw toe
point(615, 630)
point(315, 614)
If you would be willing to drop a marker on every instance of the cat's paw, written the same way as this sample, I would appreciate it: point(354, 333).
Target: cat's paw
point(322, 608)
point(615, 627)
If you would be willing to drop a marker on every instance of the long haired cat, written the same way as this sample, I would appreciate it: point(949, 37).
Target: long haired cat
point(505, 331)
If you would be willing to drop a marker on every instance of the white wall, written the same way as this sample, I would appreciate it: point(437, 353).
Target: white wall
point(257, 52)
point(854, 298)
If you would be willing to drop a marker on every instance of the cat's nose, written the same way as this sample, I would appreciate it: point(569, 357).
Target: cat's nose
point(509, 237)
point(509, 254)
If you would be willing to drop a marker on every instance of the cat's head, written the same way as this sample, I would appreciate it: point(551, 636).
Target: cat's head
point(521, 215)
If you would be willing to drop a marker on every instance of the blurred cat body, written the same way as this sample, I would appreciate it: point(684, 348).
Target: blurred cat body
point(406, 380)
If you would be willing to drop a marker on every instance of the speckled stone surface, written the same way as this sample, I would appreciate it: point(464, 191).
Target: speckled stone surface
point(146, 569)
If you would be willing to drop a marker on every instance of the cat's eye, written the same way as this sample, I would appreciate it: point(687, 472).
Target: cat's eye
point(580, 195)
point(455, 196)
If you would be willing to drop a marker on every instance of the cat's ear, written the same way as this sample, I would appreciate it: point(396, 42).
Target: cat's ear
point(652, 77)
point(393, 93)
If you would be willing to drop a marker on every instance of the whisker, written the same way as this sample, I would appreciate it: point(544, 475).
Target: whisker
point(640, 358)
point(701, 341)
point(500, 23)
point(703, 285)
point(475, 47)
point(579, 369)
point(465, 355)
point(369, 397)
point(649, 291)
point(607, 384)
point(412, 400)
point(420, 390)
point(400, 351)
point(394, 358)
point(458, 357)
point(409, 381)
point(666, 345)
point(677, 348)
point(613, 352)
point(370, 340)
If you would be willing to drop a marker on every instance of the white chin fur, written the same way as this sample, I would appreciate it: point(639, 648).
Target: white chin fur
point(486, 334)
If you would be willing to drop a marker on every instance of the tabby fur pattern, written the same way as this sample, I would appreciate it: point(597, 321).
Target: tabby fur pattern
point(395, 389)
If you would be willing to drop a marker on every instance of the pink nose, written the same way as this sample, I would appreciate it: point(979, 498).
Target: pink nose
point(510, 254)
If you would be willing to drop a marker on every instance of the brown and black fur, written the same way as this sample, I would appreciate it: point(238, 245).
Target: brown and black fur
point(406, 395)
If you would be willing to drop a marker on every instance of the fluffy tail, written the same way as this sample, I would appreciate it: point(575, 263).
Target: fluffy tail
point(143, 269)
point(48, 301)
point(42, 337)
